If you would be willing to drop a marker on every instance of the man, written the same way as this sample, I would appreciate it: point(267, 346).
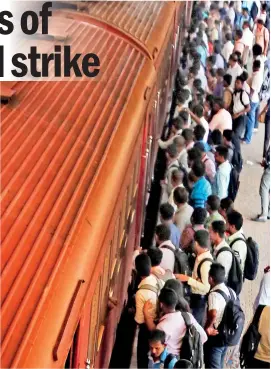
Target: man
point(213, 204)
point(227, 141)
point(199, 281)
point(166, 217)
point(143, 268)
point(222, 177)
point(214, 355)
point(199, 133)
point(179, 142)
point(227, 93)
point(156, 256)
point(234, 229)
point(172, 164)
point(188, 136)
point(217, 234)
point(198, 219)
point(255, 87)
point(184, 210)
point(158, 351)
point(231, 12)
point(261, 35)
point(176, 130)
point(238, 44)
point(222, 118)
point(228, 47)
point(219, 87)
point(234, 69)
point(176, 181)
point(247, 41)
point(241, 106)
point(162, 239)
point(265, 190)
point(201, 187)
point(197, 114)
point(219, 64)
point(210, 169)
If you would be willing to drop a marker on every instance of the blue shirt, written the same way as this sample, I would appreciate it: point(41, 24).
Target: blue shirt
point(207, 147)
point(175, 235)
point(203, 54)
point(160, 363)
point(200, 193)
point(222, 180)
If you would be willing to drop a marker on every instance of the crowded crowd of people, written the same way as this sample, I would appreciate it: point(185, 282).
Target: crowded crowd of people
point(188, 283)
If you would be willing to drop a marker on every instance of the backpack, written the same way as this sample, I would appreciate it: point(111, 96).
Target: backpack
point(192, 348)
point(168, 359)
point(164, 277)
point(181, 265)
point(237, 160)
point(241, 98)
point(232, 323)
point(252, 259)
point(200, 264)
point(234, 184)
point(235, 277)
point(251, 339)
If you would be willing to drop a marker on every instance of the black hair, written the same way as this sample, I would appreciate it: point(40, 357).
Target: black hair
point(199, 216)
point(184, 115)
point(183, 364)
point(214, 202)
point(228, 78)
point(180, 195)
point(199, 132)
point(244, 75)
point(220, 72)
point(143, 265)
point(228, 134)
point(217, 273)
point(212, 72)
point(236, 219)
point(155, 255)
point(172, 151)
point(257, 64)
point(194, 154)
point(219, 102)
point(199, 146)
point(212, 59)
point(260, 21)
point(219, 227)
point(166, 211)
point(257, 50)
point(202, 238)
point(239, 33)
point(198, 110)
point(177, 286)
point(187, 134)
point(198, 168)
point(168, 297)
point(157, 336)
point(216, 137)
point(197, 83)
point(217, 47)
point(228, 36)
point(163, 232)
point(226, 204)
point(223, 151)
point(178, 123)
point(234, 57)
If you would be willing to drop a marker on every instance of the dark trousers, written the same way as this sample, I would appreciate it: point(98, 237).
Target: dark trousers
point(198, 305)
point(214, 356)
point(239, 125)
point(258, 364)
point(266, 134)
point(143, 347)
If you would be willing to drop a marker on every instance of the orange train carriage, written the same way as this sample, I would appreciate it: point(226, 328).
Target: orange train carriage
point(77, 159)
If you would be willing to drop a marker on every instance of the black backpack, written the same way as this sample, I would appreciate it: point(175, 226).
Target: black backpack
point(181, 265)
point(254, 11)
point(232, 323)
point(200, 264)
point(237, 160)
point(168, 360)
point(192, 348)
point(235, 277)
point(252, 259)
point(251, 340)
point(233, 184)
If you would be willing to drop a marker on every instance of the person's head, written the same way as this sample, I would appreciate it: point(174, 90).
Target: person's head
point(226, 206)
point(176, 178)
point(180, 196)
point(220, 74)
point(244, 75)
point(197, 83)
point(198, 110)
point(260, 24)
point(209, 103)
point(198, 216)
point(217, 231)
point(256, 65)
point(257, 50)
point(171, 152)
point(184, 115)
point(182, 80)
point(216, 137)
point(218, 104)
point(143, 265)
point(210, 61)
point(166, 213)
point(234, 222)
point(177, 286)
point(201, 241)
point(157, 343)
point(233, 60)
point(193, 155)
point(239, 83)
point(168, 300)
point(188, 135)
point(231, 5)
point(162, 233)
point(227, 80)
point(193, 71)
point(155, 255)
point(177, 125)
point(228, 37)
point(213, 203)
point(216, 274)
point(246, 24)
point(183, 364)
point(245, 12)
point(221, 154)
point(200, 146)
point(181, 98)
point(199, 132)
point(227, 136)
point(212, 74)
point(198, 169)
point(263, 7)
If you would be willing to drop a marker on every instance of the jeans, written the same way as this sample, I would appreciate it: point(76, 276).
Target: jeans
point(265, 192)
point(251, 121)
point(198, 305)
point(239, 126)
point(143, 347)
point(214, 356)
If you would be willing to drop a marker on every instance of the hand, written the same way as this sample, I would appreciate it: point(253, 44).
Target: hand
point(147, 307)
point(235, 116)
point(211, 331)
point(138, 248)
point(162, 182)
point(182, 277)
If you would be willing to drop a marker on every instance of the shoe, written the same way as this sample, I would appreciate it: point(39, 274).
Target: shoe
point(255, 130)
point(244, 142)
point(260, 219)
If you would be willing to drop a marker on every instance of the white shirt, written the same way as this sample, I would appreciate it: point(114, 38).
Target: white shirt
point(224, 258)
point(182, 159)
point(237, 105)
point(247, 38)
point(219, 62)
point(256, 85)
point(235, 72)
point(217, 302)
point(227, 50)
point(263, 297)
point(201, 285)
point(143, 295)
point(221, 120)
point(231, 15)
point(239, 247)
point(183, 216)
point(168, 259)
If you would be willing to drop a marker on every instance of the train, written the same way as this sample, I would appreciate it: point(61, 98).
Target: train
point(78, 159)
